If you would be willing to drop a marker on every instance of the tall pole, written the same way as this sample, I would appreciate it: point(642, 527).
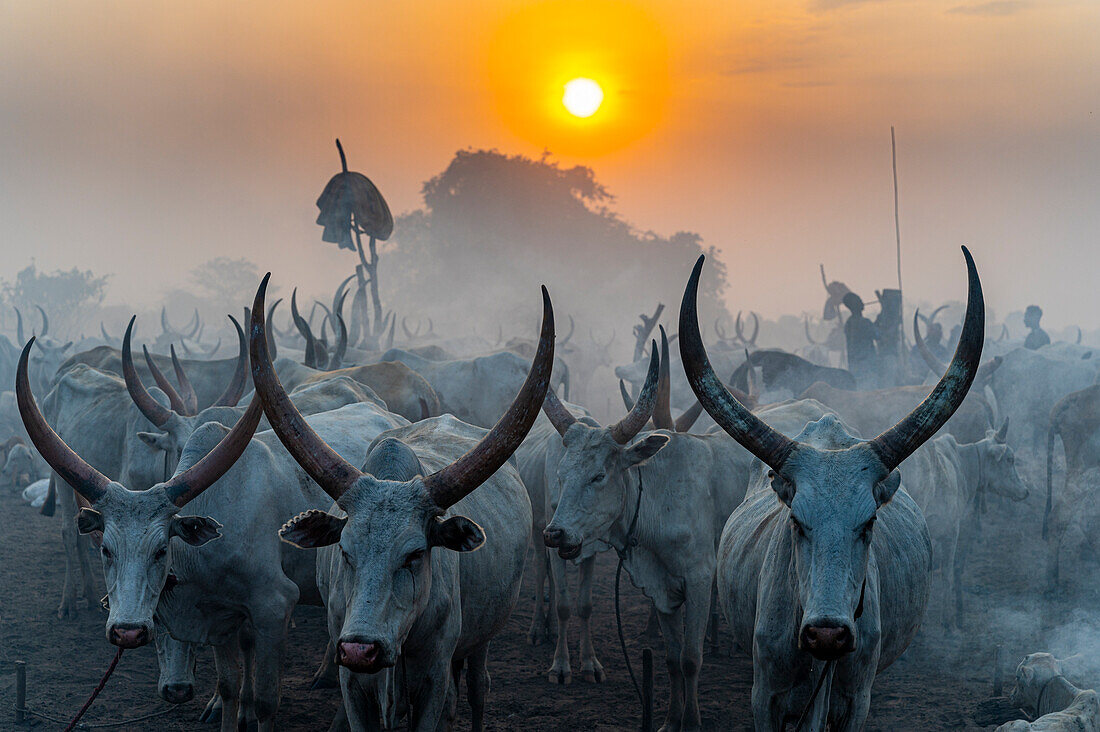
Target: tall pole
point(897, 223)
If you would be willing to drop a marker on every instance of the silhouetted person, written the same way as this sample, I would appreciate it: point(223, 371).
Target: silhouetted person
point(1038, 337)
point(860, 334)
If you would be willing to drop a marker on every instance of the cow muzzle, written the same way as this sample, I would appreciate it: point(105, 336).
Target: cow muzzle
point(827, 641)
point(129, 636)
point(362, 658)
point(177, 693)
point(556, 539)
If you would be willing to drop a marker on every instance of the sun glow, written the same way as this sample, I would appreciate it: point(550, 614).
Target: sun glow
point(582, 97)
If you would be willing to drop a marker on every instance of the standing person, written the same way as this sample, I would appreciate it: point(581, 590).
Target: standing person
point(1038, 337)
point(861, 334)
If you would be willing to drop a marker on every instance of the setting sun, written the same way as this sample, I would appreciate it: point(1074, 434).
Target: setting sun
point(582, 97)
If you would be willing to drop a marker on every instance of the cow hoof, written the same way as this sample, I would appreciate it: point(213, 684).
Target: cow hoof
point(593, 672)
point(560, 676)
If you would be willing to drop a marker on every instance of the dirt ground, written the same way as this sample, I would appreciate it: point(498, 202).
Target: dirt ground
point(937, 684)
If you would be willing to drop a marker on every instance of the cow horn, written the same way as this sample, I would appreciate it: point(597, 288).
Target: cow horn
point(628, 402)
point(405, 327)
point(556, 412)
point(84, 479)
point(389, 334)
point(303, 329)
point(235, 389)
point(190, 399)
point(771, 446)
point(45, 321)
point(150, 407)
point(810, 338)
point(271, 347)
point(337, 359)
point(1080, 335)
point(662, 408)
point(454, 482)
point(899, 442)
point(174, 398)
point(937, 367)
point(195, 324)
point(165, 326)
point(19, 327)
point(103, 332)
point(1001, 435)
point(568, 335)
point(720, 332)
point(625, 429)
point(324, 465)
point(341, 290)
point(185, 486)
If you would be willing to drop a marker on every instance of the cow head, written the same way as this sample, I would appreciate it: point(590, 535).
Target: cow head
point(18, 469)
point(394, 517)
point(593, 468)
point(997, 466)
point(137, 526)
point(832, 483)
point(176, 660)
point(1033, 675)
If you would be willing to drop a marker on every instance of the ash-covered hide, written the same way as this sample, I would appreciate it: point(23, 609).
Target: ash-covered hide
point(348, 194)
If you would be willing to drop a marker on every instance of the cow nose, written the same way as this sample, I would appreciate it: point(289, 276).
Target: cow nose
point(129, 636)
point(360, 657)
point(828, 642)
point(553, 537)
point(177, 693)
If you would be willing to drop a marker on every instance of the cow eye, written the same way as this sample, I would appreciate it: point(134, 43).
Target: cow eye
point(867, 528)
point(599, 477)
point(797, 527)
point(412, 558)
point(106, 552)
point(161, 553)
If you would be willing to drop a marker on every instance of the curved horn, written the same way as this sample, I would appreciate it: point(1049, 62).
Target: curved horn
point(84, 479)
point(738, 329)
point(755, 328)
point(19, 327)
point(337, 359)
point(271, 347)
point(1080, 335)
point(627, 401)
point(195, 324)
point(45, 322)
point(568, 335)
point(720, 332)
point(687, 420)
point(190, 399)
point(185, 486)
point(899, 442)
point(165, 326)
point(103, 332)
point(404, 326)
point(454, 482)
point(662, 408)
point(626, 428)
point(556, 412)
point(324, 465)
point(1004, 332)
point(235, 390)
point(934, 364)
point(303, 329)
point(937, 311)
point(824, 281)
point(389, 334)
point(810, 338)
point(772, 447)
point(145, 402)
point(340, 291)
point(174, 398)
point(431, 328)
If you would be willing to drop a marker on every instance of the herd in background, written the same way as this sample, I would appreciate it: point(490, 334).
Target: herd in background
point(824, 500)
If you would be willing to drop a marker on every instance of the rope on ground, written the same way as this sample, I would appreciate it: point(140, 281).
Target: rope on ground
point(99, 725)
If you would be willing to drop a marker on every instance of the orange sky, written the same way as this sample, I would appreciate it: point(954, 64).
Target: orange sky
point(143, 138)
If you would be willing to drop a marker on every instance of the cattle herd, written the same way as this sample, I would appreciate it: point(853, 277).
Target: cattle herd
point(407, 489)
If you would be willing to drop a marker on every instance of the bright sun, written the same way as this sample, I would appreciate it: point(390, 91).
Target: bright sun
point(582, 97)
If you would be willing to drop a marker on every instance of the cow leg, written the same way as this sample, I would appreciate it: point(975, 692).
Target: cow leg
point(560, 671)
point(429, 693)
point(672, 628)
point(591, 669)
point(246, 708)
point(267, 655)
point(227, 661)
point(697, 616)
point(539, 632)
point(360, 705)
point(652, 624)
point(327, 675)
point(477, 685)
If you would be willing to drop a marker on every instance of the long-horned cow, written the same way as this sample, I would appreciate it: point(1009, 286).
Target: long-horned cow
point(824, 570)
point(395, 601)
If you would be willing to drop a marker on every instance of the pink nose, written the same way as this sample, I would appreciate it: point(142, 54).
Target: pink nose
point(827, 643)
point(129, 637)
point(360, 657)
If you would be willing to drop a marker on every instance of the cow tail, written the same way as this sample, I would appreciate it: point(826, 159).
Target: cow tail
point(1051, 433)
point(49, 506)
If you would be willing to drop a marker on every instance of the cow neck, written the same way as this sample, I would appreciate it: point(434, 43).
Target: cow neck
point(627, 537)
point(1057, 701)
point(972, 468)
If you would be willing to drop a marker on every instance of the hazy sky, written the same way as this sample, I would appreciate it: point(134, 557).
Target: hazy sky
point(143, 138)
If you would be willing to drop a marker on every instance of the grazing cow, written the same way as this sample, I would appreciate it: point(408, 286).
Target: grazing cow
point(18, 467)
point(405, 392)
point(476, 390)
point(660, 502)
point(393, 602)
point(782, 371)
point(824, 570)
point(1045, 694)
point(948, 480)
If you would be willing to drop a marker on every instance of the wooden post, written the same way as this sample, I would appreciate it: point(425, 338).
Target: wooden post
point(20, 691)
point(998, 685)
point(647, 690)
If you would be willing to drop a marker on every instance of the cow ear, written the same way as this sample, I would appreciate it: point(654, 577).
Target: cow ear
point(155, 440)
point(458, 533)
point(885, 489)
point(783, 488)
point(89, 520)
point(195, 530)
point(312, 529)
point(639, 452)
